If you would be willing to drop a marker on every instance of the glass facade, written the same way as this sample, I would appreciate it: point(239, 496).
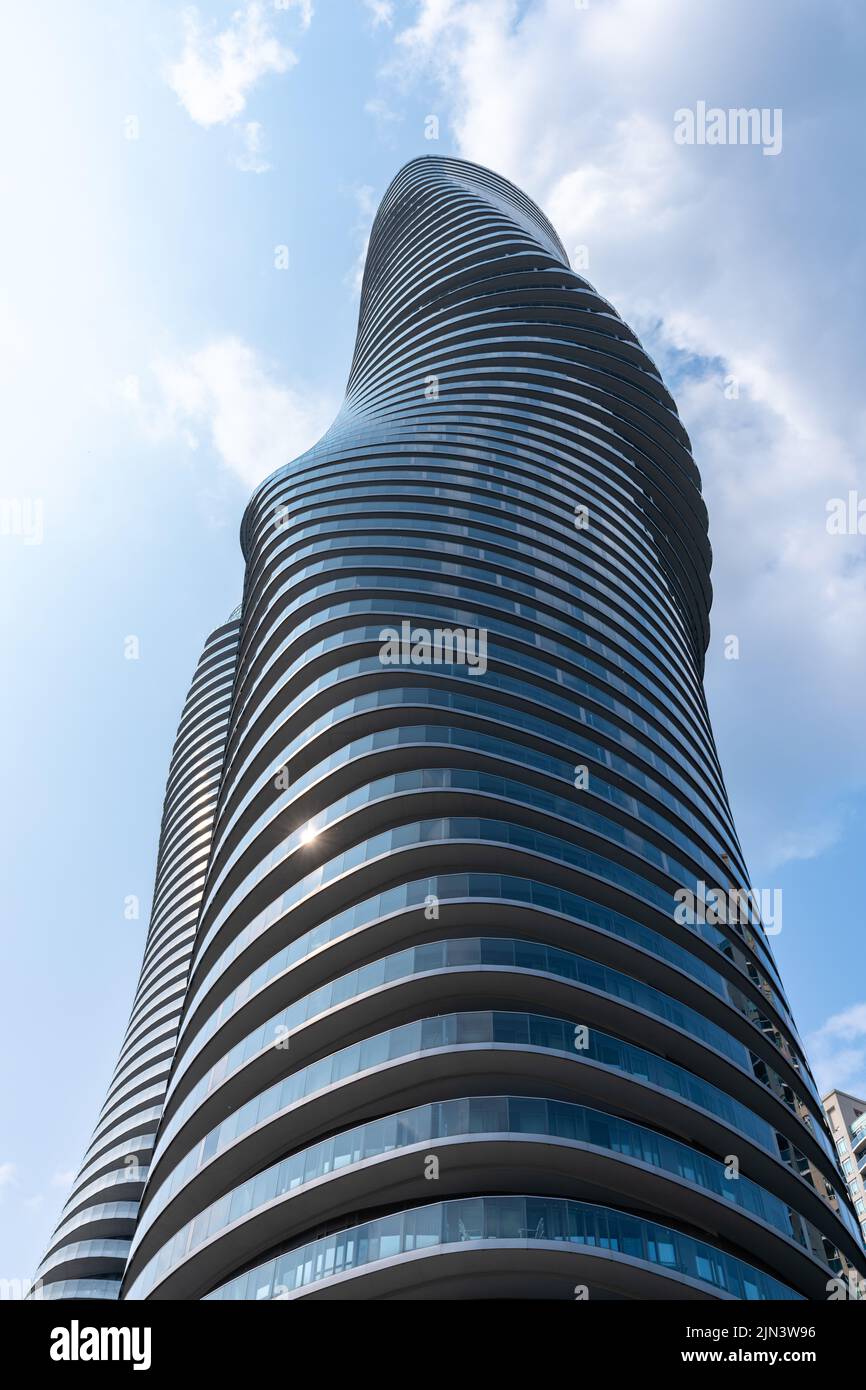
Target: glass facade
point(438, 790)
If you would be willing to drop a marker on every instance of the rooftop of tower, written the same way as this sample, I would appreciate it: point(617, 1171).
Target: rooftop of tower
point(498, 190)
point(495, 187)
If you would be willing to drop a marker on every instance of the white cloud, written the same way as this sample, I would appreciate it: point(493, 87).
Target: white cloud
point(217, 71)
point(129, 389)
point(304, 6)
point(717, 259)
point(250, 158)
point(807, 841)
point(63, 1179)
point(9, 1179)
point(382, 113)
point(381, 11)
point(226, 393)
point(838, 1052)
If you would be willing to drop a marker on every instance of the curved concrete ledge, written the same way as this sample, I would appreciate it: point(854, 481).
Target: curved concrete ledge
point(466, 1070)
point(456, 989)
point(478, 1165)
point(506, 1270)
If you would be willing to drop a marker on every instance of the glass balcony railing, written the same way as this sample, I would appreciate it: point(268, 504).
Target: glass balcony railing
point(523, 1220)
point(483, 1117)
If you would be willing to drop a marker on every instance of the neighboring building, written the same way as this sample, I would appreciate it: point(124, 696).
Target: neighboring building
point(435, 1020)
point(847, 1116)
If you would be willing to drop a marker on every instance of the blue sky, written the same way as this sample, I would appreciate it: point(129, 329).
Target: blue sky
point(156, 363)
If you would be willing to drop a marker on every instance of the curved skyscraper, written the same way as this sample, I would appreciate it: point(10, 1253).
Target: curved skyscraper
point(457, 1021)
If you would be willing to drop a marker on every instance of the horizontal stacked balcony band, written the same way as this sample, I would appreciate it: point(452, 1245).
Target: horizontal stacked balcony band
point(444, 1032)
point(87, 1253)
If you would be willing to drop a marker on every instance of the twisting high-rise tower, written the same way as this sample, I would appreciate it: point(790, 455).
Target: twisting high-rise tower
point(419, 1016)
